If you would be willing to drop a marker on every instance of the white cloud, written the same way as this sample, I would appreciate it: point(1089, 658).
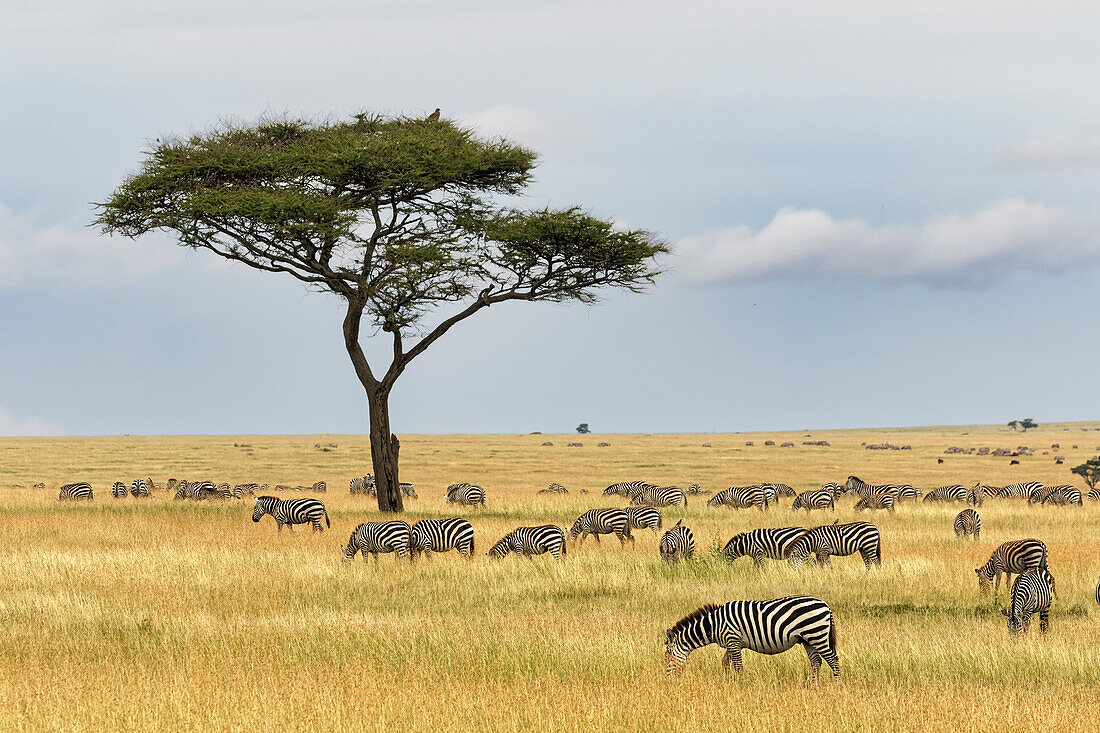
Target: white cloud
point(1076, 148)
point(12, 426)
point(954, 250)
point(518, 125)
point(34, 256)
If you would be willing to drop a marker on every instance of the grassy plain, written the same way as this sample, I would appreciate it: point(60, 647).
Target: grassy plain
point(163, 615)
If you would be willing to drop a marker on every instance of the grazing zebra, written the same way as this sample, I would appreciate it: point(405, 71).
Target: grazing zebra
point(658, 496)
point(840, 540)
point(947, 493)
point(291, 512)
point(908, 493)
point(626, 488)
point(1064, 495)
point(80, 491)
point(240, 490)
point(1014, 556)
point(119, 490)
point(320, 486)
point(761, 543)
point(442, 535)
point(774, 491)
point(834, 488)
point(140, 489)
point(975, 496)
point(741, 497)
point(1021, 490)
point(602, 521)
point(697, 489)
point(528, 541)
point(876, 501)
point(765, 627)
point(1031, 593)
point(643, 517)
point(677, 543)
point(862, 489)
point(1094, 495)
point(465, 494)
point(968, 522)
point(375, 537)
point(817, 499)
point(554, 489)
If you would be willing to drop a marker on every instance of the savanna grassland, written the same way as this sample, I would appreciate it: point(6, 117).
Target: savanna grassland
point(163, 615)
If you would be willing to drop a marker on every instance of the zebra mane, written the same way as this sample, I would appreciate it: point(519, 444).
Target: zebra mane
point(691, 618)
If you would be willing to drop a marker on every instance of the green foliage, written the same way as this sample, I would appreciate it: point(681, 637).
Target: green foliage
point(583, 428)
point(1014, 424)
point(1089, 471)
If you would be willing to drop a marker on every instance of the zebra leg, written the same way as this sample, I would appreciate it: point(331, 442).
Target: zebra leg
point(758, 559)
point(815, 661)
point(1044, 621)
point(280, 525)
point(732, 656)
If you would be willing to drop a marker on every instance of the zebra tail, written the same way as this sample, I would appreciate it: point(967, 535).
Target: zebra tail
point(1043, 562)
point(327, 523)
point(832, 634)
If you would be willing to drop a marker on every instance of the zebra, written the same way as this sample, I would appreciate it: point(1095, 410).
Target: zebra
point(1031, 593)
point(968, 522)
point(291, 512)
point(644, 517)
point(1064, 495)
point(1021, 490)
point(741, 497)
point(554, 489)
point(650, 495)
point(876, 501)
point(602, 521)
point(79, 491)
point(320, 487)
point(817, 499)
point(862, 489)
point(528, 541)
point(140, 489)
point(697, 489)
point(465, 494)
point(442, 535)
point(989, 492)
point(765, 627)
point(761, 543)
point(677, 544)
point(774, 491)
point(840, 540)
point(1098, 591)
point(119, 490)
point(626, 488)
point(1094, 495)
point(908, 493)
point(375, 537)
point(241, 489)
point(975, 496)
point(947, 493)
point(358, 486)
point(1014, 556)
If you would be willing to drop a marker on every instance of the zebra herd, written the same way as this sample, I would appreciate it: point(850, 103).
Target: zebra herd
point(195, 490)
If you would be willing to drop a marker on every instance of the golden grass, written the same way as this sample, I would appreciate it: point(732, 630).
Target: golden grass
point(163, 615)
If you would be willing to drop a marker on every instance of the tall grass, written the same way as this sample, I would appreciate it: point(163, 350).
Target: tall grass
point(185, 616)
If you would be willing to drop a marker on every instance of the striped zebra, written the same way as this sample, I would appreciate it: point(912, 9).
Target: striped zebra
point(442, 535)
point(990, 492)
point(291, 512)
point(625, 488)
point(1014, 556)
point(1062, 495)
point(1098, 591)
point(975, 496)
point(1031, 593)
point(817, 499)
point(139, 489)
point(1021, 490)
point(968, 523)
point(554, 489)
point(774, 491)
point(840, 540)
point(765, 627)
point(862, 489)
point(320, 487)
point(909, 493)
point(761, 543)
point(1094, 495)
point(75, 492)
point(741, 497)
point(465, 494)
point(602, 521)
point(677, 544)
point(358, 486)
point(947, 493)
point(372, 538)
point(650, 495)
point(528, 541)
point(876, 501)
point(119, 490)
point(834, 488)
point(644, 517)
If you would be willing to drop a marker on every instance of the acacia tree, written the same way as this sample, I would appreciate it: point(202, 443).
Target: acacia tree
point(402, 218)
point(1089, 471)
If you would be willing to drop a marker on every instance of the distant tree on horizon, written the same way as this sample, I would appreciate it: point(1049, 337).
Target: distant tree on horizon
point(583, 428)
point(1014, 424)
point(1027, 422)
point(1089, 471)
point(399, 217)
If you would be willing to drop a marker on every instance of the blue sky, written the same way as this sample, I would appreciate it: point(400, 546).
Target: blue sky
point(880, 215)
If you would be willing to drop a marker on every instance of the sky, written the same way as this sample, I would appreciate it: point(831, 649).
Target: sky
point(881, 214)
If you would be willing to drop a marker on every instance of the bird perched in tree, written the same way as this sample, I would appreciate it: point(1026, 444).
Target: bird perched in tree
point(434, 115)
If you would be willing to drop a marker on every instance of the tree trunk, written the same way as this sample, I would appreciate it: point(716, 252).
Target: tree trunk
point(384, 448)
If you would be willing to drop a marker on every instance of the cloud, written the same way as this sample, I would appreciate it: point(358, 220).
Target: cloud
point(34, 256)
point(519, 125)
point(11, 426)
point(954, 251)
point(1073, 149)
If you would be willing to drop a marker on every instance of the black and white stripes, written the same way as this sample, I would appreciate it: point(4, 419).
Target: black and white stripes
point(1014, 556)
point(75, 492)
point(677, 544)
point(741, 497)
point(442, 535)
point(762, 543)
point(838, 539)
point(465, 494)
point(1031, 593)
point(968, 524)
point(528, 541)
point(602, 521)
point(291, 512)
point(372, 538)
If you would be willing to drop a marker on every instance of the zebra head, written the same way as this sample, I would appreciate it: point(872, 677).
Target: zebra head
point(735, 548)
point(264, 505)
point(418, 542)
point(499, 550)
point(576, 529)
point(1015, 621)
point(676, 652)
point(985, 577)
